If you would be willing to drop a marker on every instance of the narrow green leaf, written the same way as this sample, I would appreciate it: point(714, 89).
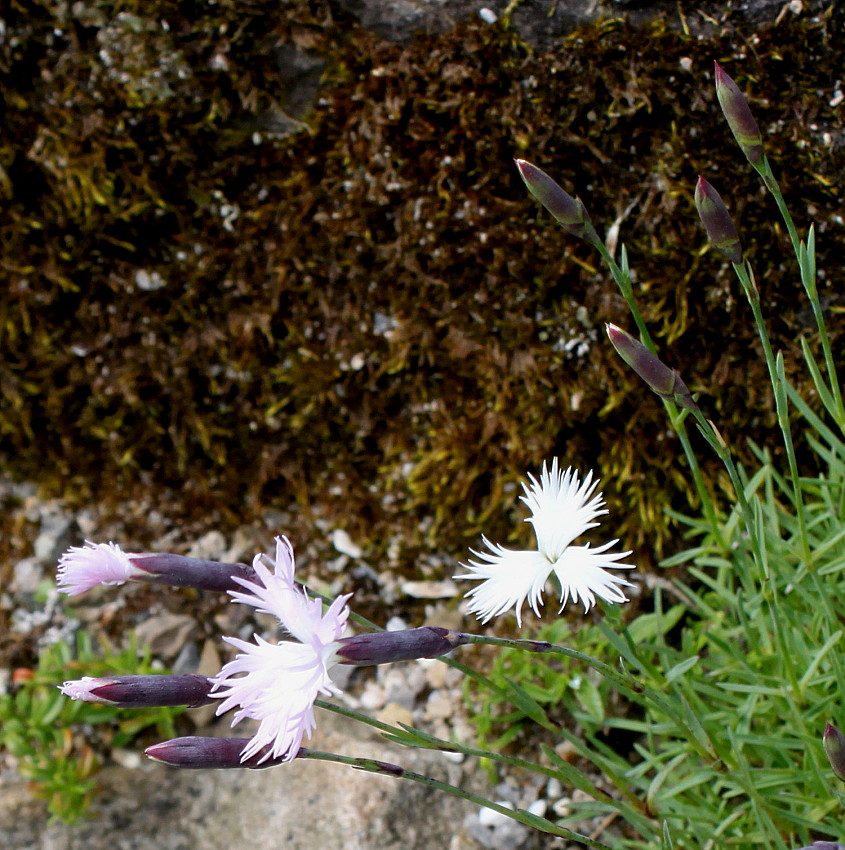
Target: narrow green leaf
point(528, 706)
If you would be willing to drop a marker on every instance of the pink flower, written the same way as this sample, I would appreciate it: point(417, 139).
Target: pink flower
point(281, 681)
point(84, 567)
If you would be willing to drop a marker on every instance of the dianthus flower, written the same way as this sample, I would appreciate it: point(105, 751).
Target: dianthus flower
point(281, 681)
point(84, 567)
point(562, 508)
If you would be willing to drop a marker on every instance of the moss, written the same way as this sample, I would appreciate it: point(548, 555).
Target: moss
point(367, 318)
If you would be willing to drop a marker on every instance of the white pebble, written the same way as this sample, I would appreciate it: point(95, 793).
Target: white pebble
point(487, 817)
point(538, 807)
point(148, 281)
point(344, 544)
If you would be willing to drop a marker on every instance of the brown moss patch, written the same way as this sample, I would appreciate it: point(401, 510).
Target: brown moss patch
point(369, 320)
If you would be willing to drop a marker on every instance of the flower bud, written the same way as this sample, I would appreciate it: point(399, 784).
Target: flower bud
point(833, 742)
point(739, 117)
point(198, 753)
point(141, 691)
point(660, 378)
point(84, 567)
point(401, 645)
point(568, 211)
point(717, 221)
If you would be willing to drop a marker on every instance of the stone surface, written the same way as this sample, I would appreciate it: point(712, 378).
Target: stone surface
point(543, 22)
point(306, 805)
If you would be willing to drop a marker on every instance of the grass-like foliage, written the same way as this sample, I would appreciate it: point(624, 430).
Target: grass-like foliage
point(740, 667)
point(732, 678)
point(57, 742)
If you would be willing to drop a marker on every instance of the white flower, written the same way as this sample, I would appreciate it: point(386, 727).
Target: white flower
point(562, 508)
point(84, 567)
point(281, 681)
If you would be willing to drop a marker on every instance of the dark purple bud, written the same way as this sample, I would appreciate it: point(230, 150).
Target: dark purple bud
point(141, 691)
point(402, 645)
point(717, 221)
point(181, 571)
point(198, 753)
point(739, 117)
point(568, 211)
point(833, 742)
point(660, 378)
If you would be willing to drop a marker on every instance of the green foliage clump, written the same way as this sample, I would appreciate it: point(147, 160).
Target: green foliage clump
point(747, 670)
point(560, 685)
point(497, 721)
point(59, 743)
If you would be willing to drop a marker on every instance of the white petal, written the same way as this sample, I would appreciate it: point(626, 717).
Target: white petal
point(280, 685)
point(580, 571)
point(507, 579)
point(277, 684)
point(303, 618)
point(84, 567)
point(79, 688)
point(562, 507)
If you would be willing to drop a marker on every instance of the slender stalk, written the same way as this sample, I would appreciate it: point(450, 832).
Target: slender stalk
point(412, 737)
point(764, 169)
point(623, 281)
point(623, 680)
point(724, 454)
point(777, 378)
point(519, 815)
point(622, 277)
point(805, 253)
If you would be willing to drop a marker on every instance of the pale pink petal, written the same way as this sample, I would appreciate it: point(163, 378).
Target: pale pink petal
point(277, 684)
point(302, 617)
point(278, 687)
point(80, 688)
point(84, 567)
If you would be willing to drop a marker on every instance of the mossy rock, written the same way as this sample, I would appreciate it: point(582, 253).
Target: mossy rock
point(364, 316)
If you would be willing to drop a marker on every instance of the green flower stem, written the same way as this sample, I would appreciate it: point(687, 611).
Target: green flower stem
point(622, 277)
point(805, 254)
point(765, 171)
point(788, 658)
point(778, 380)
point(409, 736)
point(631, 685)
point(749, 517)
point(519, 815)
point(676, 419)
